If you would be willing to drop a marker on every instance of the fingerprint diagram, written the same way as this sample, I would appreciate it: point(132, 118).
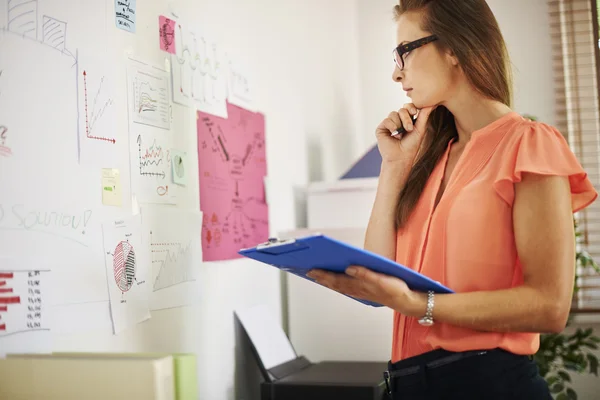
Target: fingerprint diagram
point(124, 266)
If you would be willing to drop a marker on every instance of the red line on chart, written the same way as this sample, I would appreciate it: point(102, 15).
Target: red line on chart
point(6, 275)
point(2, 283)
point(87, 123)
point(3, 327)
point(10, 300)
point(3, 308)
point(6, 290)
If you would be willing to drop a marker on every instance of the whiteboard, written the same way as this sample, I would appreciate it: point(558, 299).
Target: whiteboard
point(66, 125)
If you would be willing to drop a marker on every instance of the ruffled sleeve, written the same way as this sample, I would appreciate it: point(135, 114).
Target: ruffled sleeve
point(542, 149)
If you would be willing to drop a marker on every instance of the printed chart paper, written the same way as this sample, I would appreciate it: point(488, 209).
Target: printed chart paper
point(174, 239)
point(232, 166)
point(24, 303)
point(126, 257)
point(150, 140)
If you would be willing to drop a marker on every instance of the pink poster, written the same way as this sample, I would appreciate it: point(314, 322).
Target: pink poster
point(166, 30)
point(232, 166)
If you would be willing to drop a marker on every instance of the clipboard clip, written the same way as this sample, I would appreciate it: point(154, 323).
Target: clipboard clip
point(274, 242)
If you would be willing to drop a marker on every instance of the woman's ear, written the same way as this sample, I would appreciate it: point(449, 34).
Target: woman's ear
point(451, 57)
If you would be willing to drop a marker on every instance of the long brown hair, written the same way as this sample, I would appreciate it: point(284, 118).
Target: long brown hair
point(469, 29)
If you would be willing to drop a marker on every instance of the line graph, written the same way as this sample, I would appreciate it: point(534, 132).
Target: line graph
point(92, 116)
point(149, 95)
point(151, 157)
point(176, 263)
point(146, 102)
point(175, 246)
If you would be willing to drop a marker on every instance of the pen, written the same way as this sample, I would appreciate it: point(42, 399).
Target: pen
point(401, 131)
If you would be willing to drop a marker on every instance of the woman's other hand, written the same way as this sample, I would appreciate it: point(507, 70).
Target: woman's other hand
point(362, 283)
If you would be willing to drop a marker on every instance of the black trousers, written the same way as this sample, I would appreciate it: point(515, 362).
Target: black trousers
point(487, 375)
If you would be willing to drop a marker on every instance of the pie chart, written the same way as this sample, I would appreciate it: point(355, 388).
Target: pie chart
point(178, 166)
point(124, 265)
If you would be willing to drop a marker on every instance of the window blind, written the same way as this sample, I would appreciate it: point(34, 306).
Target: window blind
point(575, 60)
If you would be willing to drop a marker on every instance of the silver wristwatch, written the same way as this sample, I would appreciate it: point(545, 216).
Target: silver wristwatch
point(427, 320)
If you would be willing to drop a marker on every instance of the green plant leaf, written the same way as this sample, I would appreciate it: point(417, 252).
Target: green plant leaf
point(572, 394)
point(591, 345)
point(557, 387)
point(551, 380)
point(562, 396)
point(564, 376)
point(593, 363)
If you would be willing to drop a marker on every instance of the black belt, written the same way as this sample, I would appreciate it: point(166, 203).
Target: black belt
point(438, 362)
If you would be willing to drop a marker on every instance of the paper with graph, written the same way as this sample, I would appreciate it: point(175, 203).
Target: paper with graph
point(24, 303)
point(198, 72)
point(174, 239)
point(150, 138)
point(98, 135)
point(127, 269)
point(148, 90)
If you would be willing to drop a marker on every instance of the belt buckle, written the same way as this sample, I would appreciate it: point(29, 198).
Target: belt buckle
point(386, 377)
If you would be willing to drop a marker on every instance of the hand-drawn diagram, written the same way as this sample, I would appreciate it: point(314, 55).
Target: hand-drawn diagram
point(178, 164)
point(97, 121)
point(232, 167)
point(124, 265)
point(150, 166)
point(127, 263)
point(175, 263)
point(150, 96)
point(96, 111)
point(22, 294)
point(5, 150)
point(198, 73)
point(174, 237)
point(166, 31)
point(239, 87)
point(22, 21)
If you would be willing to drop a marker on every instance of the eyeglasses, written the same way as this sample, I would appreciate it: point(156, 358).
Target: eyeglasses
point(402, 51)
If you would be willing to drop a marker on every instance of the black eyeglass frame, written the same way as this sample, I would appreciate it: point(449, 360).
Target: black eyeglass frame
point(403, 49)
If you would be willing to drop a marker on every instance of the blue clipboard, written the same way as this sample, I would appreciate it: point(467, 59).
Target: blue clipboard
point(299, 256)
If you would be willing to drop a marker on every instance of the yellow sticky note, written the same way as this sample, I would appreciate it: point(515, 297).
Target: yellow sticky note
point(111, 187)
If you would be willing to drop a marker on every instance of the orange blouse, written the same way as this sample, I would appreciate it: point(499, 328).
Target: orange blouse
point(467, 243)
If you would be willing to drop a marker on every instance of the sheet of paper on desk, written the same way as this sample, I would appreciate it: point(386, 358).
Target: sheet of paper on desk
point(267, 336)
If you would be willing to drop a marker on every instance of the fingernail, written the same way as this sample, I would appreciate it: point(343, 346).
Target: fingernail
point(351, 271)
point(312, 274)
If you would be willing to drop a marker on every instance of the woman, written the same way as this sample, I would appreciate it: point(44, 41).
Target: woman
point(477, 198)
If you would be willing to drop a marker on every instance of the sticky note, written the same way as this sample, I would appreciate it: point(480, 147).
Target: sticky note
point(166, 31)
point(111, 187)
point(125, 15)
